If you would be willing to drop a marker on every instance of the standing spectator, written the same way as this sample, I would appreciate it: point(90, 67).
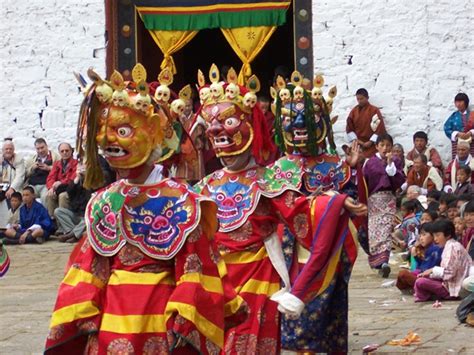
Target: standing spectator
point(365, 124)
point(421, 147)
point(62, 172)
point(71, 220)
point(13, 177)
point(384, 177)
point(423, 175)
point(462, 158)
point(35, 224)
point(460, 125)
point(38, 168)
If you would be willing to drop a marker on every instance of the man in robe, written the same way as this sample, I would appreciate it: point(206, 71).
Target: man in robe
point(35, 223)
point(423, 175)
point(365, 123)
point(463, 157)
point(420, 146)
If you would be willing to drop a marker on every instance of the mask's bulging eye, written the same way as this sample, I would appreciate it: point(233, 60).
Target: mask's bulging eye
point(232, 122)
point(124, 131)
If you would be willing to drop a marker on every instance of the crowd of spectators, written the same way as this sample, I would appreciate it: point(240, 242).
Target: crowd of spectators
point(43, 194)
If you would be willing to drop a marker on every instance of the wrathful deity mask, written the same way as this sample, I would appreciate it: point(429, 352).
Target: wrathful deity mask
point(229, 128)
point(296, 125)
point(128, 137)
point(302, 116)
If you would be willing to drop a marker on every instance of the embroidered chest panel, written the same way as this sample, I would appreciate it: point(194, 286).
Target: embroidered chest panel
point(155, 218)
point(328, 172)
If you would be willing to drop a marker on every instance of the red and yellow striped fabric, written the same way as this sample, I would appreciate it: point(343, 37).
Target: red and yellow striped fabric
point(132, 303)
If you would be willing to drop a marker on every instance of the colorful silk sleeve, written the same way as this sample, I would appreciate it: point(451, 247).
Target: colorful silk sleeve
point(333, 233)
point(77, 312)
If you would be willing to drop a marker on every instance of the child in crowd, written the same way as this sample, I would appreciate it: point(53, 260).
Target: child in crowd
point(384, 176)
point(428, 216)
point(444, 281)
point(426, 255)
point(452, 211)
point(463, 178)
point(459, 227)
point(405, 232)
point(434, 206)
point(444, 201)
point(466, 239)
point(14, 211)
point(433, 195)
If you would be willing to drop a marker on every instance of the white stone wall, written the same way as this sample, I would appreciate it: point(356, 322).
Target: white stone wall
point(412, 57)
point(41, 43)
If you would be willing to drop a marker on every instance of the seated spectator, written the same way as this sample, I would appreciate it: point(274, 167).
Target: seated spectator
point(421, 147)
point(426, 255)
point(434, 206)
point(428, 216)
point(35, 224)
point(452, 211)
point(466, 239)
point(14, 211)
point(38, 168)
point(467, 242)
point(462, 158)
point(444, 281)
point(13, 177)
point(71, 220)
point(463, 180)
point(459, 227)
point(62, 172)
point(414, 194)
point(424, 176)
point(399, 152)
point(433, 195)
point(444, 201)
point(405, 232)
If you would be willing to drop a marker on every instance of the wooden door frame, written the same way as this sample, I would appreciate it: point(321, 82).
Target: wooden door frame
point(121, 19)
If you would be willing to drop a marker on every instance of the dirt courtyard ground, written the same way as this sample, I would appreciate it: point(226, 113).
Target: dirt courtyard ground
point(377, 314)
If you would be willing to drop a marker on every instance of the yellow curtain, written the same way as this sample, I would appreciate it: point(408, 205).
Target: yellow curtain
point(170, 42)
point(247, 42)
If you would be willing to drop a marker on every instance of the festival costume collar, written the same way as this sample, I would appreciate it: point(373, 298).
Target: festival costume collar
point(237, 193)
point(325, 171)
point(156, 218)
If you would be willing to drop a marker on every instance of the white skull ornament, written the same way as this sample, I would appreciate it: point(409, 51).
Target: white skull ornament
point(162, 94)
point(232, 91)
point(298, 93)
point(284, 95)
point(120, 98)
point(142, 103)
point(250, 99)
point(317, 94)
point(204, 94)
point(217, 91)
point(178, 106)
point(104, 93)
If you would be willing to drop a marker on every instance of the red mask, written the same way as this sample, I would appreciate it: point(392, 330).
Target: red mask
point(229, 128)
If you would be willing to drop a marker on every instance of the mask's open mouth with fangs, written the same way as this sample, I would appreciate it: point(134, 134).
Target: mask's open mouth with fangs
point(223, 142)
point(300, 134)
point(161, 237)
point(114, 151)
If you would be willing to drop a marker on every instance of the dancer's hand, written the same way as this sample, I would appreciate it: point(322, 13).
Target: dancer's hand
point(354, 207)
